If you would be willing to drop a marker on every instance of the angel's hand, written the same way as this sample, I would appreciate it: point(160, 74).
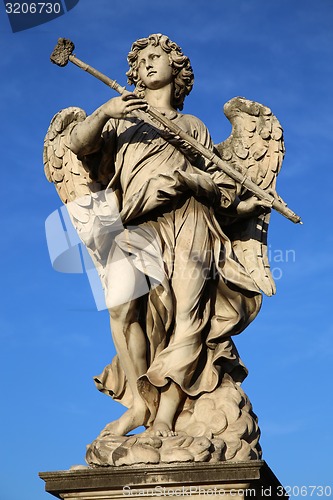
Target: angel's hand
point(85, 138)
point(119, 107)
point(252, 206)
point(273, 193)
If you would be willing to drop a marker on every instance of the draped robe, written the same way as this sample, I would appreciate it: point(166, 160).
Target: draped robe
point(178, 205)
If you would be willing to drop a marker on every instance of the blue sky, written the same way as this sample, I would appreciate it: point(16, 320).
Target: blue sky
point(53, 339)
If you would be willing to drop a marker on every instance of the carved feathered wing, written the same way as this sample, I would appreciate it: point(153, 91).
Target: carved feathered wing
point(92, 208)
point(62, 167)
point(255, 146)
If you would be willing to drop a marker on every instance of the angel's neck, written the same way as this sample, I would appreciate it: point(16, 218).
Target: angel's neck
point(160, 98)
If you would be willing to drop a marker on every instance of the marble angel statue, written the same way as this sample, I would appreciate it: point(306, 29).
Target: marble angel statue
point(180, 247)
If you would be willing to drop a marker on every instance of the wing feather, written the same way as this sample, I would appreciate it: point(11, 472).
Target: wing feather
point(255, 146)
point(62, 167)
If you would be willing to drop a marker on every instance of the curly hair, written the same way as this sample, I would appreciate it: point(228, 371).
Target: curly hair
point(180, 64)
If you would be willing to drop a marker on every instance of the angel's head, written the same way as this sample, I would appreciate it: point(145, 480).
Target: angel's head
point(181, 70)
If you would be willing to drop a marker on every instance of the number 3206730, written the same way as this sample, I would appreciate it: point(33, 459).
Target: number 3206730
point(33, 8)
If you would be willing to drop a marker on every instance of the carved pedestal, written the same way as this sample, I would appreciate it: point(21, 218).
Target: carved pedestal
point(228, 480)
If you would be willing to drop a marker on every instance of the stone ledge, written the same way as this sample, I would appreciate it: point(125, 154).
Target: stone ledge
point(143, 481)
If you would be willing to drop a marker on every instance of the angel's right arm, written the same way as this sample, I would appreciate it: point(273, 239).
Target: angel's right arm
point(85, 137)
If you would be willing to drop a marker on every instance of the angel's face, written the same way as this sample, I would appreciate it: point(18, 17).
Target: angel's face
point(154, 67)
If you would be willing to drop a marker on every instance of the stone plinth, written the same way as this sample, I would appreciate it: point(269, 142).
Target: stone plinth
point(238, 480)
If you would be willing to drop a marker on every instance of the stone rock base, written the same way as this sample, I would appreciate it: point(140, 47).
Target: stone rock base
point(198, 481)
point(215, 427)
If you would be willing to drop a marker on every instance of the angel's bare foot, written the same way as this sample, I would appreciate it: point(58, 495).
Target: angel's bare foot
point(171, 396)
point(162, 429)
point(132, 418)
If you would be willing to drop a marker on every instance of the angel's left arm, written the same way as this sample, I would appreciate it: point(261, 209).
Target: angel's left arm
point(251, 206)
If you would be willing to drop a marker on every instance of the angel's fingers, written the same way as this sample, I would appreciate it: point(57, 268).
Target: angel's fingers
point(264, 203)
point(135, 106)
point(257, 202)
point(273, 193)
point(133, 99)
point(128, 96)
point(278, 198)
